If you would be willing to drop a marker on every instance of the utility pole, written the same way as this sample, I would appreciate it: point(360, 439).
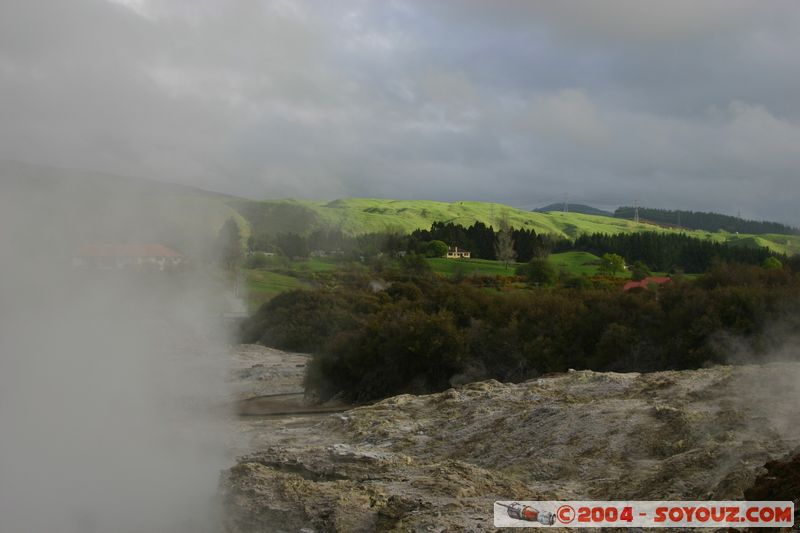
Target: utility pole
point(566, 203)
point(636, 211)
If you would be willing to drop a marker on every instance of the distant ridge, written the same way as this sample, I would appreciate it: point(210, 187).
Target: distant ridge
point(698, 220)
point(84, 206)
point(35, 174)
point(575, 208)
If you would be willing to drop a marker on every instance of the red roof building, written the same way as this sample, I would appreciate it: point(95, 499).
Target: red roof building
point(646, 283)
point(127, 256)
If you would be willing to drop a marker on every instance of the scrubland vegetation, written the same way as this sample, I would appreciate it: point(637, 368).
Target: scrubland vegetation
point(419, 332)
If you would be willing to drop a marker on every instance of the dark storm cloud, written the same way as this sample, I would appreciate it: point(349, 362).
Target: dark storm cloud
point(681, 103)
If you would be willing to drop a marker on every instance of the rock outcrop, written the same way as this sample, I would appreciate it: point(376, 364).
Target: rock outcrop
point(780, 482)
point(437, 462)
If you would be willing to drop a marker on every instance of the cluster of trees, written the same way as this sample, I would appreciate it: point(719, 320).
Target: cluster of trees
point(666, 251)
point(484, 242)
point(423, 333)
point(704, 221)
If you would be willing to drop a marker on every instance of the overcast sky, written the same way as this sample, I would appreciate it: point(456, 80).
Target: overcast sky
point(680, 103)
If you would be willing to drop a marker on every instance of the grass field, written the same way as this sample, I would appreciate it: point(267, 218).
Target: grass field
point(316, 264)
point(468, 267)
point(282, 274)
point(575, 263)
point(263, 285)
point(313, 264)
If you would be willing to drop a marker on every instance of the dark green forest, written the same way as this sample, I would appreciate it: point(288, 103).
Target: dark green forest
point(666, 252)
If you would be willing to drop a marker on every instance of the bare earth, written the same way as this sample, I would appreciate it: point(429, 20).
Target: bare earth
point(437, 462)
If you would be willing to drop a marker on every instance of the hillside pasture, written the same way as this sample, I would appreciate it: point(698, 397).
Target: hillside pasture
point(357, 216)
point(576, 263)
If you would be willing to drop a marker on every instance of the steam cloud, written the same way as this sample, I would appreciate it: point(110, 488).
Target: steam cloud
point(110, 385)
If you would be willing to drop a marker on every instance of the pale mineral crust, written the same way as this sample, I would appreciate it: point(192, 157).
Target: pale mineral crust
point(437, 462)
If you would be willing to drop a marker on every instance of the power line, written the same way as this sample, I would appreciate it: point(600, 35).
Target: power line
point(540, 203)
point(555, 200)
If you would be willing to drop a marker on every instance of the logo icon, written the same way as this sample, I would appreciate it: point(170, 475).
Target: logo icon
point(565, 514)
point(518, 511)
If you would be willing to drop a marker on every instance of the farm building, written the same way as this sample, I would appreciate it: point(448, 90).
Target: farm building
point(454, 252)
point(646, 283)
point(127, 257)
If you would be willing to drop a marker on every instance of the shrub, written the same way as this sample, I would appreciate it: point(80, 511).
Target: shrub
point(538, 272)
point(612, 264)
point(435, 249)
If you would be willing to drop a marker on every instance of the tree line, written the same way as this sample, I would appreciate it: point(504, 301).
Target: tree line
point(482, 240)
point(664, 252)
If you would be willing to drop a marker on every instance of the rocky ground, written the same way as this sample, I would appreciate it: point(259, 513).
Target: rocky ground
point(436, 462)
point(259, 371)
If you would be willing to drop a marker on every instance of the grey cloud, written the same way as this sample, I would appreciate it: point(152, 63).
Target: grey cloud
point(679, 104)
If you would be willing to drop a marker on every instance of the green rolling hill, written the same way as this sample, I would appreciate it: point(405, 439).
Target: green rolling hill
point(366, 215)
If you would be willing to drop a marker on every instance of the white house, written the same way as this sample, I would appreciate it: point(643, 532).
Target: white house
point(454, 252)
